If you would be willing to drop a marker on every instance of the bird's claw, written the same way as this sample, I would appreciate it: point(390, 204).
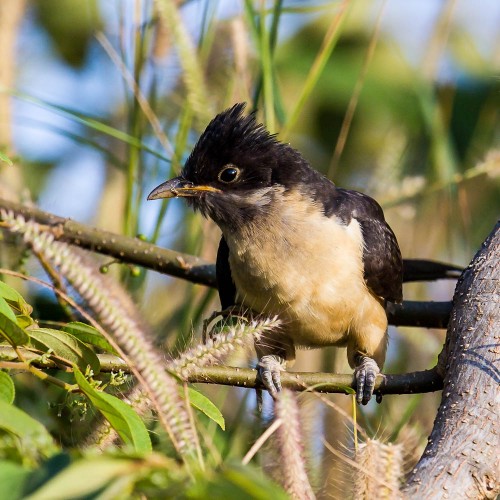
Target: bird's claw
point(365, 374)
point(270, 368)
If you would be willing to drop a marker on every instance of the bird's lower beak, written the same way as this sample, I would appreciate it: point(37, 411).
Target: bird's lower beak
point(178, 187)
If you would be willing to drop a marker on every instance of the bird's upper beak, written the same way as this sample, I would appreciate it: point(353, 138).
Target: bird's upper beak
point(179, 187)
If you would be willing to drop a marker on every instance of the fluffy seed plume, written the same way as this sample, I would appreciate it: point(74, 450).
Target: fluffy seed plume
point(380, 470)
point(115, 311)
point(292, 469)
point(220, 345)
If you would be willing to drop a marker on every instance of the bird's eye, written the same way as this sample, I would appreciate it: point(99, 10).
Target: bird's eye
point(229, 174)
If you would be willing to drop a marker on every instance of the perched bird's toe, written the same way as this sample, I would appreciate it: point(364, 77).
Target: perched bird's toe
point(270, 368)
point(365, 374)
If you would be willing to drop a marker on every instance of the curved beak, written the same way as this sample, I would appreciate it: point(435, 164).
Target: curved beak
point(179, 187)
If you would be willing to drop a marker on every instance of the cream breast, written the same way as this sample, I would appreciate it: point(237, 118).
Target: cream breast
point(303, 266)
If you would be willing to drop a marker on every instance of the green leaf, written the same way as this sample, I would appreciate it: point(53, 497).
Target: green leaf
point(16, 421)
point(89, 335)
point(120, 415)
point(12, 480)
point(24, 321)
point(46, 470)
point(66, 347)
point(7, 389)
point(6, 159)
point(236, 481)
point(251, 483)
point(14, 335)
point(7, 310)
point(15, 299)
point(85, 477)
point(202, 403)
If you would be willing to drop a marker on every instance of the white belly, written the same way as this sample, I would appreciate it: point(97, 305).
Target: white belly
point(312, 278)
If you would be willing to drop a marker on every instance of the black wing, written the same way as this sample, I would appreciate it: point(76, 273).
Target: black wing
point(225, 284)
point(383, 264)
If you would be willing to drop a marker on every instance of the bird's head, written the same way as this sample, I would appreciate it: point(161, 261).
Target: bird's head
point(235, 170)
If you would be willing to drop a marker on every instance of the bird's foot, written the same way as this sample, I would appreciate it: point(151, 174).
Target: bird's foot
point(365, 373)
point(270, 368)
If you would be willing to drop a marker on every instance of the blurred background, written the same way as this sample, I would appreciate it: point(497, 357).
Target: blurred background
point(101, 100)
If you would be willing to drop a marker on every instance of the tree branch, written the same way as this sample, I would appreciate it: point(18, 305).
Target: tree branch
point(425, 314)
point(123, 248)
point(461, 459)
point(408, 383)
point(196, 270)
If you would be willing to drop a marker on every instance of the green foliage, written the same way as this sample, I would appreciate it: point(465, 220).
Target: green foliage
point(121, 417)
point(33, 439)
point(10, 330)
point(70, 26)
point(6, 310)
point(7, 389)
point(5, 159)
point(63, 345)
point(14, 299)
point(203, 404)
point(12, 479)
point(89, 335)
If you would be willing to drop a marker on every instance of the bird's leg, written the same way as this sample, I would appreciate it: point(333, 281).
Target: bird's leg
point(365, 373)
point(270, 368)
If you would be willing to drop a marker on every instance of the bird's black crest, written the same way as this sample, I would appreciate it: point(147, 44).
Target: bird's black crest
point(233, 129)
point(230, 137)
point(236, 128)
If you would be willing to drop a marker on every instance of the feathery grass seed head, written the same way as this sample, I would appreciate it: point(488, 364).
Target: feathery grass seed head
point(116, 311)
point(293, 468)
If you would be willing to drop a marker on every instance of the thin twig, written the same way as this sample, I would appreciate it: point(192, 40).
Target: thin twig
point(141, 99)
point(353, 102)
point(262, 439)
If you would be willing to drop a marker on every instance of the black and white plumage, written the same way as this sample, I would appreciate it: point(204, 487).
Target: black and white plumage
point(293, 245)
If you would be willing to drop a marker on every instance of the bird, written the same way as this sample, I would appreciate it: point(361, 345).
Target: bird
point(294, 245)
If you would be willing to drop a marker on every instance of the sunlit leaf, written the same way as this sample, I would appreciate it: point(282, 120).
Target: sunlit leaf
point(15, 299)
point(24, 321)
point(250, 483)
point(6, 309)
point(7, 389)
point(202, 403)
point(237, 481)
point(12, 480)
point(16, 421)
point(122, 418)
point(65, 346)
point(89, 335)
point(6, 159)
point(84, 478)
point(9, 329)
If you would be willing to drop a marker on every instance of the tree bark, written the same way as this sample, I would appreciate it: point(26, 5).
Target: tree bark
point(462, 457)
